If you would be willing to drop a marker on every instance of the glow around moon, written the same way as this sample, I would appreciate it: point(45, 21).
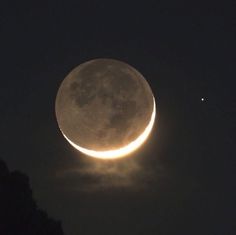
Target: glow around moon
point(121, 152)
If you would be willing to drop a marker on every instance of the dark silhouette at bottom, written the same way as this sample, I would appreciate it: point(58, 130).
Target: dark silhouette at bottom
point(19, 214)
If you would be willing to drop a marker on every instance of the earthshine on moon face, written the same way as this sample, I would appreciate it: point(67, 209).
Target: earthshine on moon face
point(105, 108)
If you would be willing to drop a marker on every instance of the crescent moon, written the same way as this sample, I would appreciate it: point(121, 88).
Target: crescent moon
point(121, 152)
point(105, 109)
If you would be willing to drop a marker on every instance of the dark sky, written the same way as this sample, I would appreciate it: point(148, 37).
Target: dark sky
point(182, 181)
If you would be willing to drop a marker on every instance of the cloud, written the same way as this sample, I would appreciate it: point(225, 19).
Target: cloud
point(92, 174)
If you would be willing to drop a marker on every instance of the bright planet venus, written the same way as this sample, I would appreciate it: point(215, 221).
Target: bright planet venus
point(105, 108)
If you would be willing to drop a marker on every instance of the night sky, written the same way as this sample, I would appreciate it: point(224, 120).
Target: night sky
point(182, 181)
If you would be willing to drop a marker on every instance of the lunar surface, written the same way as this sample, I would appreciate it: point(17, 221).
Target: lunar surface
point(105, 108)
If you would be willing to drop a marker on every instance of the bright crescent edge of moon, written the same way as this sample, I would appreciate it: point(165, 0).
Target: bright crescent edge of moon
point(123, 151)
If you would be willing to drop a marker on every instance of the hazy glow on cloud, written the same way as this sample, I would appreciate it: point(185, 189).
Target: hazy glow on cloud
point(121, 152)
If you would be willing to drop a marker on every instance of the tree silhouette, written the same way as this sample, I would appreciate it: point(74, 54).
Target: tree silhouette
point(19, 214)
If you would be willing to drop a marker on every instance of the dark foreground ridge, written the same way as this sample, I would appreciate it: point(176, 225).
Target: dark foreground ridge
point(19, 214)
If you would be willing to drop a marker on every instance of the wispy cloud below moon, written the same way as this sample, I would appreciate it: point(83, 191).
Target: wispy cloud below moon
point(96, 175)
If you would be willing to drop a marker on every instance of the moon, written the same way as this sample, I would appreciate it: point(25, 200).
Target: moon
point(105, 108)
